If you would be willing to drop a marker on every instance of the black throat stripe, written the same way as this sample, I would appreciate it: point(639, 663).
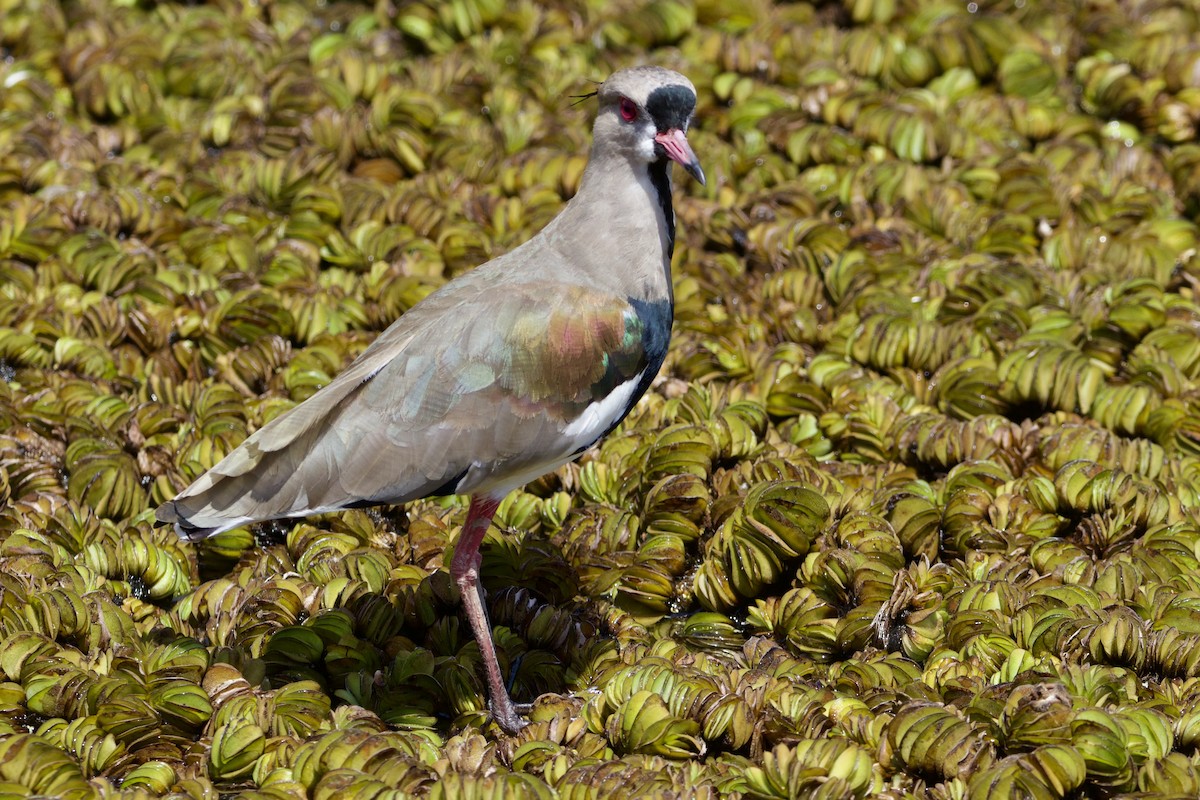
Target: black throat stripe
point(660, 179)
point(670, 107)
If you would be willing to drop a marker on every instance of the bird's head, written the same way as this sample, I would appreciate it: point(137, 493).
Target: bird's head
point(645, 112)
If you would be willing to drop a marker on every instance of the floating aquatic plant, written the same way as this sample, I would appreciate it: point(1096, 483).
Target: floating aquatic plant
point(912, 509)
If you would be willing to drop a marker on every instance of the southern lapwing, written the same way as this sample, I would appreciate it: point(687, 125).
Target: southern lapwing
point(502, 375)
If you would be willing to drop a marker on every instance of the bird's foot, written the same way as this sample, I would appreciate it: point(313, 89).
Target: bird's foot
point(509, 715)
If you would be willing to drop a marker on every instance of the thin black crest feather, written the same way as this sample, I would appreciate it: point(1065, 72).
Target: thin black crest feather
point(579, 98)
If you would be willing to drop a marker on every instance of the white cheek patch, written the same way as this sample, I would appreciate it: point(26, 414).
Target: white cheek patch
point(646, 149)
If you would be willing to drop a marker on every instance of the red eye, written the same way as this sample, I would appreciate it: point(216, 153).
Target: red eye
point(628, 110)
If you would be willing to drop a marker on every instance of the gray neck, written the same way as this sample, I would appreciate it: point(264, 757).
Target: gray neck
point(623, 210)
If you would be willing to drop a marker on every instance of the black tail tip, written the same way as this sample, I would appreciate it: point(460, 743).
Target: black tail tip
point(168, 512)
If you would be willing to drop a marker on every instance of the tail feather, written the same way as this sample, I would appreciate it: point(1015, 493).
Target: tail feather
point(169, 512)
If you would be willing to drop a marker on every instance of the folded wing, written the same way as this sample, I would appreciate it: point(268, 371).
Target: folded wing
point(473, 391)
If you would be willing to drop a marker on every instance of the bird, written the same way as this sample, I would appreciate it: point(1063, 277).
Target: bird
point(505, 373)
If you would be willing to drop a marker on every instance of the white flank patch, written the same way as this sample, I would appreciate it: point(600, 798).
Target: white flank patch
point(583, 430)
point(601, 415)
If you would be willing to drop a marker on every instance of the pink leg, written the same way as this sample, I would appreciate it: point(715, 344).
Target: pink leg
point(465, 571)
